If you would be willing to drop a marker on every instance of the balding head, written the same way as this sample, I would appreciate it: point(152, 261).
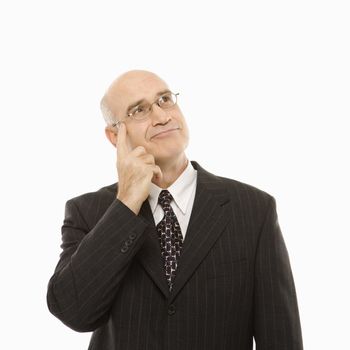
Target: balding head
point(128, 84)
point(163, 132)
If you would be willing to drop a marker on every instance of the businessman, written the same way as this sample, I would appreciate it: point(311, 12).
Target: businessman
point(171, 257)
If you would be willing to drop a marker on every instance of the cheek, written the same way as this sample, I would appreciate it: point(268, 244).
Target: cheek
point(138, 135)
point(185, 130)
point(183, 123)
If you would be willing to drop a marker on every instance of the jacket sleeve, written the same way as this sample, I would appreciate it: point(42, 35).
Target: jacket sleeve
point(92, 264)
point(276, 316)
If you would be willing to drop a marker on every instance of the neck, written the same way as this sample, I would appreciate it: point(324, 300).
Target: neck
point(171, 171)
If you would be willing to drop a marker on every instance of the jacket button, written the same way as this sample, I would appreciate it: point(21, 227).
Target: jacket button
point(128, 242)
point(132, 235)
point(171, 309)
point(124, 249)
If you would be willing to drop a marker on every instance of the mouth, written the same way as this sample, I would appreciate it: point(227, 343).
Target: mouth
point(164, 133)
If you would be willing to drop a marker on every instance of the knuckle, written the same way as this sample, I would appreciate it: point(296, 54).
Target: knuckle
point(126, 162)
point(151, 157)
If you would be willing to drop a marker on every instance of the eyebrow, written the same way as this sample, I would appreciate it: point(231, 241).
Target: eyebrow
point(143, 100)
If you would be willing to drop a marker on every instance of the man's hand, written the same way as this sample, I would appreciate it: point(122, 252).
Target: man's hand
point(136, 169)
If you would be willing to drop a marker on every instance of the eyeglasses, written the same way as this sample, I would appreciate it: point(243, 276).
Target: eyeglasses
point(141, 111)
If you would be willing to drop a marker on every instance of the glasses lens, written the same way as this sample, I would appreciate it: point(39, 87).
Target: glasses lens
point(167, 100)
point(139, 112)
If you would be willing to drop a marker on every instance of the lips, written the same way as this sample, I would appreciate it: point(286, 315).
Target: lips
point(162, 132)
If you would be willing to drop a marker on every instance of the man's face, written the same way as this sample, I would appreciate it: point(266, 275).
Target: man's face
point(145, 88)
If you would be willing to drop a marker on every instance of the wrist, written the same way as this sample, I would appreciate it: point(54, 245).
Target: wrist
point(132, 204)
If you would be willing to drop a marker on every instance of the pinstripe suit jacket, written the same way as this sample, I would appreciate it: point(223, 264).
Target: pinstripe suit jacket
point(234, 280)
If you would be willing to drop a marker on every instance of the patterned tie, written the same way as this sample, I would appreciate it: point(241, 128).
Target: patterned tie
point(170, 237)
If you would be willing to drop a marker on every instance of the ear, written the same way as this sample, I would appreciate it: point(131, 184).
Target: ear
point(111, 135)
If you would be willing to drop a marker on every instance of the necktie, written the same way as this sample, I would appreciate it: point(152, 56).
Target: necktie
point(170, 237)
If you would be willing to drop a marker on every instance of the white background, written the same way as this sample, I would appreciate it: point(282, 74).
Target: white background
point(264, 86)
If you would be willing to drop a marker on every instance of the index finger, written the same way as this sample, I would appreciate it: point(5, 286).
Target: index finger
point(123, 145)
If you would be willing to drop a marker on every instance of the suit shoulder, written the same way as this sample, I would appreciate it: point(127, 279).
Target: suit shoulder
point(90, 206)
point(245, 191)
point(104, 193)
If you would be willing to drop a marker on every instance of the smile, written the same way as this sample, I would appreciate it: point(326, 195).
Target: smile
point(164, 133)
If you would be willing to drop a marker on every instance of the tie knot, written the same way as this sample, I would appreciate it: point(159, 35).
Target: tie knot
point(164, 198)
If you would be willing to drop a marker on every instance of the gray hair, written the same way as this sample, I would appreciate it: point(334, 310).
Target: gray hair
point(108, 115)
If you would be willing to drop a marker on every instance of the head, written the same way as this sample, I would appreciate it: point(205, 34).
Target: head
point(143, 86)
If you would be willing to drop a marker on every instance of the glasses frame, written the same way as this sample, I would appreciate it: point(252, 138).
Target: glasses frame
point(129, 115)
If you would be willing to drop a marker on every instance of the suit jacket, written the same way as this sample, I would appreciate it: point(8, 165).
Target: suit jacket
point(233, 281)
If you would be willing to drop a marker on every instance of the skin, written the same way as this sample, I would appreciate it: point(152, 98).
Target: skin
point(142, 157)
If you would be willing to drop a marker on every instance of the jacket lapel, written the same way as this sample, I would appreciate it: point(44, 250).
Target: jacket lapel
point(206, 223)
point(150, 254)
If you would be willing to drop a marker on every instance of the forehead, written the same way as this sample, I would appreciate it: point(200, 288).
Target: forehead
point(131, 89)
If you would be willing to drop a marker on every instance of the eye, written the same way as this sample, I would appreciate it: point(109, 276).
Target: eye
point(138, 110)
point(166, 100)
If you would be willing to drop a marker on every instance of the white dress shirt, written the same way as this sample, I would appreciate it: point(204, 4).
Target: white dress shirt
point(183, 192)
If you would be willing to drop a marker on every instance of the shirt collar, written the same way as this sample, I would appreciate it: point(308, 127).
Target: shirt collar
point(181, 189)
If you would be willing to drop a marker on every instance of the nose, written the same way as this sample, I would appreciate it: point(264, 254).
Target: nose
point(159, 115)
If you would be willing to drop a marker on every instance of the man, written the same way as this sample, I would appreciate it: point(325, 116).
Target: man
point(172, 256)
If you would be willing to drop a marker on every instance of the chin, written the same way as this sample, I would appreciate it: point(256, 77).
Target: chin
point(161, 157)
